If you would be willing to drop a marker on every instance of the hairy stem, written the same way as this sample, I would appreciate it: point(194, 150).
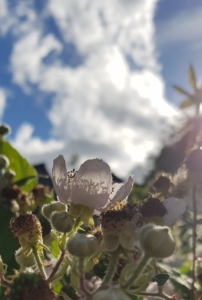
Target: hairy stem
point(57, 265)
point(39, 262)
point(111, 268)
point(156, 295)
point(83, 287)
point(137, 272)
point(194, 235)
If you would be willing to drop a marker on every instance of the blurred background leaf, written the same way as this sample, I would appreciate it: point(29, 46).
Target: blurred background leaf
point(8, 244)
point(25, 173)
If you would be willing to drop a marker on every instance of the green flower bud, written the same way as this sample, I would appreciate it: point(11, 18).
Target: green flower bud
point(82, 245)
point(4, 162)
point(9, 175)
point(4, 129)
point(62, 221)
point(112, 293)
point(53, 206)
point(156, 241)
point(24, 260)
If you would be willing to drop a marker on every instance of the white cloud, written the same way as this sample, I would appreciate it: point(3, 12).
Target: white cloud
point(2, 102)
point(104, 107)
point(33, 148)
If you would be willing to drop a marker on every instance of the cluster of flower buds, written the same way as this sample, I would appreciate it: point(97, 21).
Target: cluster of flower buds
point(121, 225)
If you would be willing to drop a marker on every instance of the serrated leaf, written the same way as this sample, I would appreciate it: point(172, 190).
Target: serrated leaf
point(192, 78)
point(20, 165)
point(23, 181)
point(186, 103)
point(161, 279)
point(181, 91)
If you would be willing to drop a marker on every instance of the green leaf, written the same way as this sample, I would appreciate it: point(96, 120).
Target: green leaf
point(192, 78)
point(181, 91)
point(8, 243)
point(23, 181)
point(2, 294)
point(186, 103)
point(161, 279)
point(55, 249)
point(20, 166)
point(57, 287)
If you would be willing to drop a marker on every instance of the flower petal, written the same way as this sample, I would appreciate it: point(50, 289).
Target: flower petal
point(60, 179)
point(121, 190)
point(175, 208)
point(92, 184)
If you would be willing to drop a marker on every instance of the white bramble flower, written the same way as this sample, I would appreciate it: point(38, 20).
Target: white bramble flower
point(175, 209)
point(91, 185)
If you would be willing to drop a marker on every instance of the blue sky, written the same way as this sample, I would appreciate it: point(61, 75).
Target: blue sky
point(94, 78)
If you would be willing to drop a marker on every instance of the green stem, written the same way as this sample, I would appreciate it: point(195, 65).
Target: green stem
point(4, 282)
point(194, 235)
point(83, 288)
point(57, 265)
point(158, 295)
point(39, 262)
point(111, 269)
point(137, 272)
point(61, 272)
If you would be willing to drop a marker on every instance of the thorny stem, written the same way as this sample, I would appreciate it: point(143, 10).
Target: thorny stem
point(83, 287)
point(61, 272)
point(111, 269)
point(194, 235)
point(57, 265)
point(158, 295)
point(39, 262)
point(137, 272)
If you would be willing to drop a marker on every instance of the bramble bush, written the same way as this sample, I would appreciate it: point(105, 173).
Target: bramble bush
point(103, 240)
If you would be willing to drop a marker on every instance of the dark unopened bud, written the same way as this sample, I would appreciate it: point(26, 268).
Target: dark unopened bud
point(30, 286)
point(82, 245)
point(48, 209)
point(62, 221)
point(153, 207)
point(4, 161)
point(162, 184)
point(4, 129)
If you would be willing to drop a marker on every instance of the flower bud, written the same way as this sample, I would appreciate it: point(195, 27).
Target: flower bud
point(30, 286)
point(62, 221)
point(53, 206)
point(82, 245)
point(27, 228)
point(4, 162)
point(156, 241)
point(25, 261)
point(4, 129)
point(111, 293)
point(9, 175)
